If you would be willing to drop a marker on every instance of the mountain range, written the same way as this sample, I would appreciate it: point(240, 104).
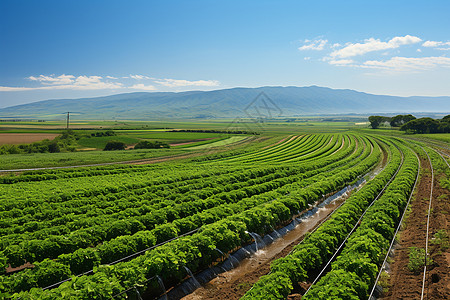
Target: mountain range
point(229, 103)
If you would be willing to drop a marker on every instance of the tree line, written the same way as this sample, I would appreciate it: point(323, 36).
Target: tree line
point(411, 124)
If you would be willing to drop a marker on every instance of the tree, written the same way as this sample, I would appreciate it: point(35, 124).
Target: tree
point(151, 145)
point(422, 125)
point(399, 120)
point(53, 147)
point(114, 145)
point(375, 121)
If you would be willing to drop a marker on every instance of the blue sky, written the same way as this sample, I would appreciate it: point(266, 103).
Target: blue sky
point(73, 49)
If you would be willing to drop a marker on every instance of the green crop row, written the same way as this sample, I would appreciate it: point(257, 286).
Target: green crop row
point(319, 246)
point(28, 249)
point(169, 259)
point(356, 268)
point(71, 235)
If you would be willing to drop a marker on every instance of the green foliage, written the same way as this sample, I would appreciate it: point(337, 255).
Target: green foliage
point(441, 239)
point(273, 286)
point(151, 145)
point(84, 218)
point(114, 145)
point(416, 259)
point(427, 125)
point(339, 284)
point(422, 125)
point(356, 268)
point(104, 133)
point(66, 142)
point(376, 121)
point(399, 120)
point(44, 274)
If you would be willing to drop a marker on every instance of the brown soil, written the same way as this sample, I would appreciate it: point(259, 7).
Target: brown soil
point(60, 126)
point(24, 138)
point(404, 284)
point(27, 265)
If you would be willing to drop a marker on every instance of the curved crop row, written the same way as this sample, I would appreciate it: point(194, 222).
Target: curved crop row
point(110, 250)
point(197, 251)
point(356, 268)
point(319, 246)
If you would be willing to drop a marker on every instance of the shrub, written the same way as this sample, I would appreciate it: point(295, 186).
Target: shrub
point(151, 145)
point(114, 145)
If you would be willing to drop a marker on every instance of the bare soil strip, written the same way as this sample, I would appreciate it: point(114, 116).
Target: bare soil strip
point(405, 284)
point(24, 138)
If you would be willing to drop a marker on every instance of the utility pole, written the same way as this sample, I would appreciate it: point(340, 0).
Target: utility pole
point(67, 124)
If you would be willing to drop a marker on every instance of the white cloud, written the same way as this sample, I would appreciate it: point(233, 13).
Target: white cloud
point(83, 82)
point(341, 62)
point(408, 64)
point(437, 45)
point(62, 79)
point(182, 82)
point(138, 77)
point(67, 82)
point(313, 45)
point(372, 44)
point(15, 89)
point(307, 58)
point(144, 87)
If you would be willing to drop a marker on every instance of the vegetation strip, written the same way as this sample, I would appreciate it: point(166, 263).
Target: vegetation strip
point(396, 232)
point(314, 249)
point(356, 267)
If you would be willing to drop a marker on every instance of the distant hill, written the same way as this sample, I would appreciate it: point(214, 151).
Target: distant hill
point(291, 101)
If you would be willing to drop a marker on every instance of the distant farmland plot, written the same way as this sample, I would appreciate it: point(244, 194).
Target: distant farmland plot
point(173, 136)
point(100, 142)
point(24, 138)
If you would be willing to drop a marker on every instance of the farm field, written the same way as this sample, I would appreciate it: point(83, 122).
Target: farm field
point(23, 138)
point(224, 150)
point(179, 218)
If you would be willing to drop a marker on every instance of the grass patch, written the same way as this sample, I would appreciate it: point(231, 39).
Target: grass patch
point(224, 142)
point(100, 142)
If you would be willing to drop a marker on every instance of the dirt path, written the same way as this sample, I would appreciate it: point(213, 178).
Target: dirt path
point(438, 279)
point(405, 284)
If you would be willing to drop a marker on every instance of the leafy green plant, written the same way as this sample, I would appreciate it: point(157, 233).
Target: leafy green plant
point(416, 259)
point(441, 239)
point(384, 281)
